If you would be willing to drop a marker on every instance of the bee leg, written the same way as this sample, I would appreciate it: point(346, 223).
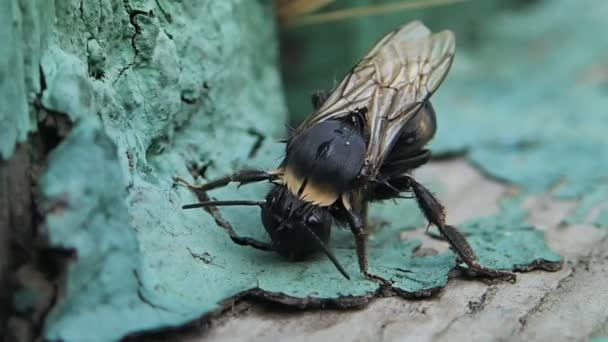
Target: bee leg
point(211, 208)
point(357, 224)
point(239, 240)
point(242, 177)
point(435, 214)
point(245, 241)
point(398, 165)
point(318, 98)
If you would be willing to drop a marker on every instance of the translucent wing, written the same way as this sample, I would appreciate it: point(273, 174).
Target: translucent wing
point(392, 81)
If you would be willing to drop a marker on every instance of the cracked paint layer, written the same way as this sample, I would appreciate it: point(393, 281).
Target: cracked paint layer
point(105, 287)
point(504, 240)
point(23, 31)
point(157, 89)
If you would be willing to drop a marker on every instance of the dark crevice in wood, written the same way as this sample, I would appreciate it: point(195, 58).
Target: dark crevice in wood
point(26, 260)
point(16, 226)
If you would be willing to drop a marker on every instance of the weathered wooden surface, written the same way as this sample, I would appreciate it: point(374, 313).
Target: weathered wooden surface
point(570, 304)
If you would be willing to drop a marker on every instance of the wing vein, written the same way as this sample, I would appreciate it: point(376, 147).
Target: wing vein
point(393, 80)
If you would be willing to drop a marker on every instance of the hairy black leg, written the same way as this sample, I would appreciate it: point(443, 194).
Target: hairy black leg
point(239, 240)
point(242, 177)
point(432, 209)
point(318, 98)
point(220, 221)
point(251, 242)
point(399, 165)
point(357, 224)
point(224, 204)
point(393, 179)
point(435, 214)
point(211, 208)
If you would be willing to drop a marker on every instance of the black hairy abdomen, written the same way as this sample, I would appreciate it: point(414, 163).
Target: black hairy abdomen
point(290, 233)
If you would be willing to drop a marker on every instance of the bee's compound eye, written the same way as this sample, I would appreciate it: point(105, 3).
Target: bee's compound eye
point(312, 220)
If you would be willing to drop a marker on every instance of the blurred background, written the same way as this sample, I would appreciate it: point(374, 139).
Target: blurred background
point(526, 95)
point(319, 47)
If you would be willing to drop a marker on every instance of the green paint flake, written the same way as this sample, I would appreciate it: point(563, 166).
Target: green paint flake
point(23, 39)
point(107, 294)
point(590, 201)
point(602, 219)
point(506, 241)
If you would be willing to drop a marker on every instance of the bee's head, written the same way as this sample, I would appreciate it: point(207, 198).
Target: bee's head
point(297, 229)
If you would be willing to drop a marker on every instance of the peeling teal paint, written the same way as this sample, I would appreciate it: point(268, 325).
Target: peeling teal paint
point(107, 292)
point(596, 195)
point(506, 241)
point(23, 33)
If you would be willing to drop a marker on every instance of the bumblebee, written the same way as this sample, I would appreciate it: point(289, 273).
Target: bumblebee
point(359, 145)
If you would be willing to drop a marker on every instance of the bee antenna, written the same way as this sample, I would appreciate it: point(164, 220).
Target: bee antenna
point(222, 203)
point(327, 252)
